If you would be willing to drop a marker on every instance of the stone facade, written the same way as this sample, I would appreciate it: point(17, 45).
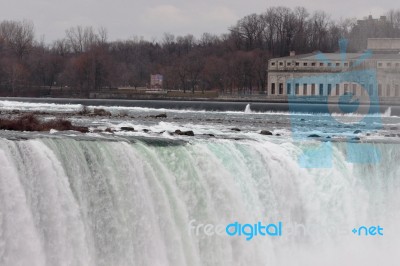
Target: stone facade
point(283, 72)
point(390, 45)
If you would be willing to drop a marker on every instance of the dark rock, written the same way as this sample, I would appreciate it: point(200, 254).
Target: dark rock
point(80, 129)
point(146, 130)
point(108, 130)
point(277, 134)
point(235, 129)
point(101, 112)
point(328, 137)
point(394, 128)
point(123, 113)
point(84, 111)
point(127, 129)
point(184, 133)
point(163, 115)
point(357, 131)
point(314, 136)
point(355, 138)
point(15, 112)
point(265, 132)
point(29, 122)
point(210, 135)
point(302, 119)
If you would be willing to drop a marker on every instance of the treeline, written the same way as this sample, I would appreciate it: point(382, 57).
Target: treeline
point(84, 60)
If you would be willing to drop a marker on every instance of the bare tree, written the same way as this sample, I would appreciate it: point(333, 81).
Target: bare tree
point(81, 39)
point(60, 47)
point(102, 34)
point(18, 35)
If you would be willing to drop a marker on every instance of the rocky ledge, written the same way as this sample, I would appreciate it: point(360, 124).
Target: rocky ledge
point(30, 122)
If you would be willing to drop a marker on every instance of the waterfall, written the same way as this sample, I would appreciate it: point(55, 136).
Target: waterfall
point(388, 112)
point(247, 110)
point(76, 202)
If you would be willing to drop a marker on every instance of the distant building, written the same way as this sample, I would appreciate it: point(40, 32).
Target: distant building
point(156, 82)
point(384, 45)
point(385, 60)
point(371, 21)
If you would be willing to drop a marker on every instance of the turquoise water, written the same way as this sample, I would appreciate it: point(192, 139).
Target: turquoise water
point(70, 201)
point(152, 197)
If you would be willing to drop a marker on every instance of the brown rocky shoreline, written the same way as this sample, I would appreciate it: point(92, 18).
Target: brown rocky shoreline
point(31, 122)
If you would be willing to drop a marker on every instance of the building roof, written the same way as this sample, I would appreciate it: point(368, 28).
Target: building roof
point(338, 56)
point(384, 44)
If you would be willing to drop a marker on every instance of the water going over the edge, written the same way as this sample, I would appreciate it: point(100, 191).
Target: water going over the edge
point(143, 194)
point(66, 201)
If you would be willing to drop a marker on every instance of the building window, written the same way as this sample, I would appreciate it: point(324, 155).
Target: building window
point(337, 64)
point(281, 63)
point(371, 90)
point(297, 89)
point(305, 64)
point(297, 63)
point(396, 90)
point(346, 88)
point(329, 89)
point(380, 90)
point(389, 64)
point(288, 89)
point(305, 89)
point(289, 64)
point(329, 64)
point(321, 89)
point(363, 92)
point(272, 63)
point(379, 64)
point(346, 64)
point(280, 88)
point(321, 64)
point(388, 90)
point(313, 64)
point(354, 91)
point(337, 89)
point(272, 88)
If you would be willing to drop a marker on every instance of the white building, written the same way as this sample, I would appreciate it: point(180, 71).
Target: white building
point(156, 81)
point(384, 60)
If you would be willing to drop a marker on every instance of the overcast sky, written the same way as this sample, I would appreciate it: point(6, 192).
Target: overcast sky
point(151, 18)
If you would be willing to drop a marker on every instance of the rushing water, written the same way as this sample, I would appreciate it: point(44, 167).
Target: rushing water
point(67, 199)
